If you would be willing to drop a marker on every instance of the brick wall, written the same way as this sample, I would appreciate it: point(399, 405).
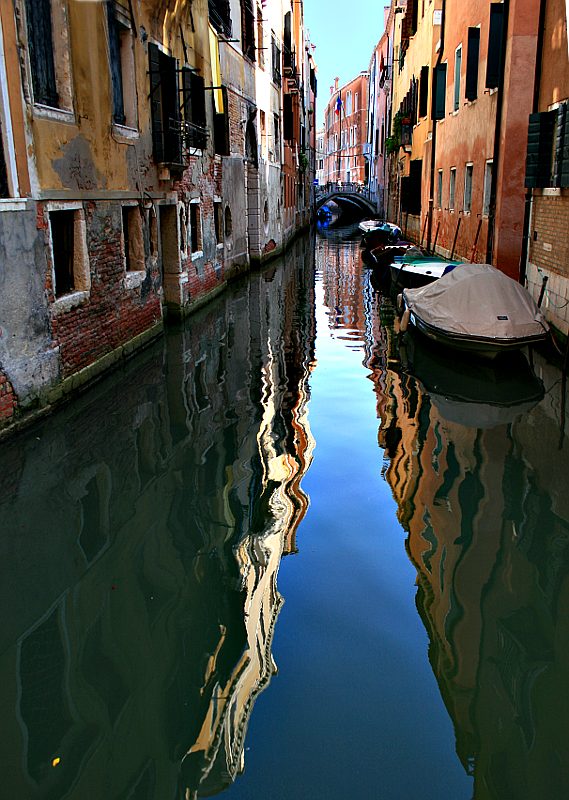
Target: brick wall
point(8, 400)
point(549, 242)
point(112, 314)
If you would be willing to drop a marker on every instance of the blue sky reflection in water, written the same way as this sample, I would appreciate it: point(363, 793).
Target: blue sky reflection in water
point(355, 710)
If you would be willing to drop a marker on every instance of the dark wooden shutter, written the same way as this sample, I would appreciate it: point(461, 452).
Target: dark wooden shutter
point(115, 64)
point(197, 116)
point(540, 149)
point(221, 127)
point(171, 109)
point(288, 127)
point(472, 58)
point(156, 103)
point(494, 62)
point(4, 188)
point(439, 93)
point(40, 44)
point(563, 147)
point(424, 92)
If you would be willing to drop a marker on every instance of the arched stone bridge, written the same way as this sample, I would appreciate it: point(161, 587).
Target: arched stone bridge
point(345, 194)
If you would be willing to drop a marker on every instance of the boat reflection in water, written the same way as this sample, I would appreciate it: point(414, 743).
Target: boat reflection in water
point(143, 527)
point(469, 462)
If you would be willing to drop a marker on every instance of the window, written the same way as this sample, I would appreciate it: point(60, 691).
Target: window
point(288, 118)
point(195, 119)
point(221, 140)
point(452, 188)
point(439, 99)
point(457, 68)
point(348, 104)
point(218, 221)
point(423, 91)
point(471, 89)
point(132, 239)
point(467, 202)
point(248, 29)
point(263, 130)
point(487, 188)
point(170, 242)
point(260, 39)
point(48, 45)
point(277, 137)
point(4, 187)
point(355, 103)
point(411, 188)
point(70, 264)
point(440, 189)
point(494, 60)
point(165, 108)
point(195, 229)
point(547, 163)
point(220, 16)
point(228, 222)
point(276, 59)
point(121, 62)
point(288, 53)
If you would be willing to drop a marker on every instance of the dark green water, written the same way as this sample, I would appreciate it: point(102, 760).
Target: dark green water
point(278, 556)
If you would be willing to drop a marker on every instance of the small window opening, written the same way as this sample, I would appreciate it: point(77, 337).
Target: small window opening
point(467, 205)
point(217, 221)
point(228, 222)
point(62, 224)
point(452, 189)
point(132, 239)
point(195, 227)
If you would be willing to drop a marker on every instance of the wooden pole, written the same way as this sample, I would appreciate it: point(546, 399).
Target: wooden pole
point(459, 220)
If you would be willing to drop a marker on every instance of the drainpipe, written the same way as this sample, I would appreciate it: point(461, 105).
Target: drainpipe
point(497, 134)
point(434, 136)
point(535, 109)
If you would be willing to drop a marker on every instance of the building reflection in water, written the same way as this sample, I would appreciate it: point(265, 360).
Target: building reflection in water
point(481, 489)
point(143, 527)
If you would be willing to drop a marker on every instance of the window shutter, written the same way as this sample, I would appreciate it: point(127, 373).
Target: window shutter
point(221, 128)
point(439, 95)
point(560, 145)
point(540, 149)
point(287, 117)
point(472, 57)
point(115, 65)
point(424, 92)
point(494, 63)
point(156, 103)
point(40, 44)
point(563, 152)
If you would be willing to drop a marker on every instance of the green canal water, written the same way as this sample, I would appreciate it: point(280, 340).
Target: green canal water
point(281, 554)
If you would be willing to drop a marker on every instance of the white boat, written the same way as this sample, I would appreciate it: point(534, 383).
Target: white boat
point(475, 308)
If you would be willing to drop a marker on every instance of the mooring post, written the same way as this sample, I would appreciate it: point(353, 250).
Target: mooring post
point(459, 220)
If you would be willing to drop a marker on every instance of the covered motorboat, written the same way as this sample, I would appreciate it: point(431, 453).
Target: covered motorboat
point(475, 308)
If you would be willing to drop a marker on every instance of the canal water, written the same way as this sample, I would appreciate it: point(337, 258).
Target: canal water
point(281, 554)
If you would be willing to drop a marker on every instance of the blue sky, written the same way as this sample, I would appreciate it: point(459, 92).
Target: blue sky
point(345, 33)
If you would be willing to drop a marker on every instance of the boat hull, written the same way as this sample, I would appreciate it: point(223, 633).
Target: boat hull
point(481, 346)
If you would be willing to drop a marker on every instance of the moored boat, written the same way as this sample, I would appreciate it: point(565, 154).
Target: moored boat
point(475, 308)
point(415, 268)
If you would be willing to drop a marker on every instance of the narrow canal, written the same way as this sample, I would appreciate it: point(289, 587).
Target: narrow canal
point(277, 555)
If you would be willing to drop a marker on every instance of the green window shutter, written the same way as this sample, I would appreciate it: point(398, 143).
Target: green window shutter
point(472, 57)
point(494, 62)
point(440, 88)
point(540, 149)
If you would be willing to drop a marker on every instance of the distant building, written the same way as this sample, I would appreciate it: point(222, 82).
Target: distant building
point(345, 127)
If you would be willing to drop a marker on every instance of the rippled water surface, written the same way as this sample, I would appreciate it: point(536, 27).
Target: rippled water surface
point(282, 554)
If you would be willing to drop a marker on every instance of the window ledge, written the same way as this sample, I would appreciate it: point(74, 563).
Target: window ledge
point(55, 114)
point(134, 279)
point(13, 204)
point(552, 191)
point(197, 254)
point(69, 301)
point(219, 246)
point(124, 134)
